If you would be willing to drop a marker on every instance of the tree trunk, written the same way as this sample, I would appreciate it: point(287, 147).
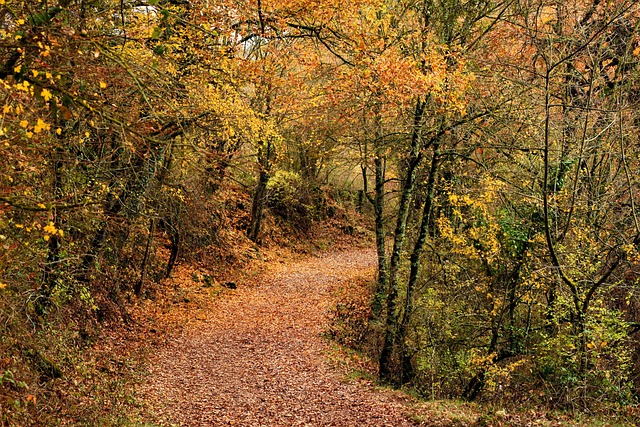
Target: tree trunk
point(113, 206)
point(415, 264)
point(377, 201)
point(257, 207)
point(174, 236)
point(378, 209)
point(415, 157)
point(137, 289)
point(53, 246)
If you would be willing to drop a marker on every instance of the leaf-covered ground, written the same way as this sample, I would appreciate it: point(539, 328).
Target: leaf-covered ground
point(257, 357)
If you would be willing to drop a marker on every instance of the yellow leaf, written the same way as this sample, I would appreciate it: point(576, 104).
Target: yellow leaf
point(46, 94)
point(3, 285)
point(40, 126)
point(50, 228)
point(24, 124)
point(103, 85)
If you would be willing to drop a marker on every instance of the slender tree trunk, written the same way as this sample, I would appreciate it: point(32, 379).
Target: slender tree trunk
point(174, 236)
point(90, 255)
point(477, 383)
point(257, 207)
point(377, 201)
point(378, 208)
point(552, 299)
point(360, 202)
point(53, 246)
point(137, 289)
point(512, 286)
point(415, 264)
point(399, 237)
point(113, 206)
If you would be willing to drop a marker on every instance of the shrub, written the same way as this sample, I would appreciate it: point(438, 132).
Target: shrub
point(294, 200)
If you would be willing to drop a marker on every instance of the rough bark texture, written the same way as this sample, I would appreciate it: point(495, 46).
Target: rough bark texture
point(415, 265)
point(398, 243)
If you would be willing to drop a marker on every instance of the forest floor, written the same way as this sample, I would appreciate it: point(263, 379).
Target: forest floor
point(257, 357)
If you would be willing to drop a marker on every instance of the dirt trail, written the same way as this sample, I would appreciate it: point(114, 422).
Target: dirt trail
point(258, 357)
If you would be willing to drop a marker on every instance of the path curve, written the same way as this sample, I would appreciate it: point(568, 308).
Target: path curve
point(257, 359)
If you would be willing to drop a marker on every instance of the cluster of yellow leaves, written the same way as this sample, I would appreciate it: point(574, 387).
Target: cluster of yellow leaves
point(498, 374)
point(51, 230)
point(480, 238)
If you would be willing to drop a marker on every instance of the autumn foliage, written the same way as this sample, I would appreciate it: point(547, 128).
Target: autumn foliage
point(493, 144)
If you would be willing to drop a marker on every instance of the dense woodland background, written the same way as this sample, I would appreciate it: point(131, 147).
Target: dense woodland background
point(492, 144)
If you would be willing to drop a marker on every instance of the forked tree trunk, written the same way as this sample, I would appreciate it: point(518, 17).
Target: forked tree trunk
point(414, 273)
point(400, 232)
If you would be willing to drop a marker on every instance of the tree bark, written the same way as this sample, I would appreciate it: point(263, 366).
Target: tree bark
point(415, 264)
point(174, 237)
point(378, 208)
point(415, 157)
point(257, 207)
point(137, 289)
point(53, 246)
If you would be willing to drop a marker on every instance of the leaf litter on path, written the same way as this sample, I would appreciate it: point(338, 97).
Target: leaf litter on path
point(257, 357)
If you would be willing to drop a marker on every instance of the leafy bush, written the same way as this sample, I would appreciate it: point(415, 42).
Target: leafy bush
point(294, 200)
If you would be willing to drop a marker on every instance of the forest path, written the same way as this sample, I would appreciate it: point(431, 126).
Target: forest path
point(259, 359)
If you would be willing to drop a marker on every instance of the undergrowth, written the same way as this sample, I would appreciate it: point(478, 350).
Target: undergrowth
point(79, 362)
point(356, 339)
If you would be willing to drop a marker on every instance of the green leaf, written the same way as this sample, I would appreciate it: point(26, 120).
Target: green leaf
point(157, 32)
point(160, 49)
